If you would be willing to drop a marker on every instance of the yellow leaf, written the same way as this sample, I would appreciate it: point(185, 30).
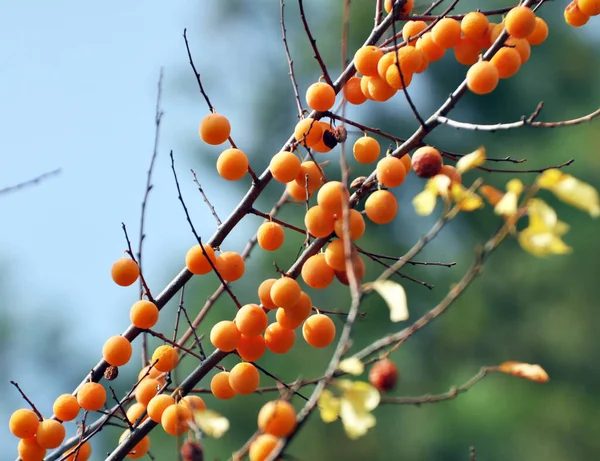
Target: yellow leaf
point(439, 184)
point(352, 366)
point(329, 406)
point(542, 242)
point(491, 194)
point(394, 295)
point(357, 401)
point(472, 160)
point(211, 423)
point(424, 202)
point(525, 370)
point(571, 190)
point(507, 205)
point(464, 198)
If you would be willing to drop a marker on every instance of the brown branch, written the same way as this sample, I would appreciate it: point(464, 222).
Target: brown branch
point(196, 73)
point(29, 182)
point(33, 407)
point(313, 44)
point(290, 61)
point(210, 206)
point(132, 256)
point(410, 261)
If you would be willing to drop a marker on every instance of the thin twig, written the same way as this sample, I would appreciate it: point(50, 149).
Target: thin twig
point(290, 61)
point(313, 44)
point(210, 206)
point(196, 73)
point(132, 256)
point(29, 182)
point(33, 407)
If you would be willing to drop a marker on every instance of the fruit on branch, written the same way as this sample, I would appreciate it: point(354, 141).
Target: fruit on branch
point(50, 434)
point(277, 418)
point(426, 162)
point(192, 451)
point(220, 387)
point(482, 78)
point(297, 191)
point(352, 91)
point(144, 314)
point(411, 29)
point(359, 270)
point(157, 405)
point(383, 375)
point(125, 272)
point(318, 330)
point(446, 33)
point(244, 378)
point(320, 96)
point(231, 266)
point(135, 411)
point(153, 373)
point(366, 150)
point(175, 419)
point(364, 87)
point(432, 50)
point(356, 225)
point(264, 294)
point(520, 21)
point(65, 407)
point(215, 129)
point(467, 51)
point(381, 207)
point(251, 348)
point(315, 180)
point(117, 351)
point(366, 59)
point(262, 446)
point(522, 46)
point(23, 423)
point(232, 164)
point(395, 80)
point(328, 139)
point(335, 256)
point(270, 236)
point(193, 402)
point(91, 396)
point(301, 310)
point(474, 25)
point(225, 336)
point(140, 449)
point(589, 7)
point(452, 173)
point(308, 132)
point(251, 320)
point(332, 196)
point(316, 273)
point(390, 171)
point(198, 259)
point(29, 450)
point(406, 9)
point(165, 358)
point(540, 33)
point(286, 321)
point(379, 89)
point(279, 339)
point(507, 61)
point(285, 292)
point(407, 162)
point(573, 15)
point(145, 390)
point(285, 166)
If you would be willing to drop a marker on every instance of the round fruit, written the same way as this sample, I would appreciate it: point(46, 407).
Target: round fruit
point(285, 292)
point(279, 340)
point(316, 273)
point(309, 131)
point(50, 434)
point(507, 61)
point(573, 15)
point(366, 60)
point(474, 25)
point(319, 221)
point(285, 166)
point(320, 96)
point(390, 171)
point(411, 29)
point(366, 150)
point(196, 261)
point(264, 294)
point(135, 411)
point(29, 450)
point(144, 314)
point(66, 408)
point(277, 418)
point(251, 320)
point(482, 77)
point(165, 358)
point(175, 419)
point(446, 33)
point(125, 272)
point(117, 351)
point(157, 405)
point(232, 164)
point(352, 91)
point(220, 387)
point(270, 236)
point(262, 446)
point(79, 453)
point(540, 33)
point(252, 348)
point(230, 266)
point(215, 129)
point(356, 226)
point(225, 335)
point(146, 390)
point(318, 330)
point(520, 21)
point(244, 378)
point(91, 396)
point(383, 375)
point(381, 207)
point(332, 196)
point(23, 423)
point(426, 162)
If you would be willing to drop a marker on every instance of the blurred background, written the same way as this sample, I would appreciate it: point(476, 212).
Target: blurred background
point(78, 92)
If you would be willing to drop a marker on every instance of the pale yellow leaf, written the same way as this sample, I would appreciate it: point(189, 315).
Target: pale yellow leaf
point(329, 406)
point(525, 370)
point(464, 198)
point(472, 160)
point(352, 366)
point(395, 297)
point(211, 423)
point(424, 202)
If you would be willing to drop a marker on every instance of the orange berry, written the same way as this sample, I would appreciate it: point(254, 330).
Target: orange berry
point(300, 310)
point(270, 236)
point(285, 166)
point(446, 33)
point(482, 77)
point(589, 7)
point(215, 129)
point(352, 91)
point(452, 173)
point(411, 29)
point(540, 33)
point(279, 340)
point(359, 270)
point(335, 256)
point(383, 375)
point(309, 131)
point(285, 321)
point(264, 294)
point(220, 387)
point(381, 207)
point(91, 396)
point(175, 419)
point(153, 373)
point(318, 330)
point(331, 197)
point(225, 335)
point(29, 450)
point(366, 60)
point(134, 412)
point(310, 169)
point(140, 448)
point(407, 56)
point(232, 164)
point(125, 272)
point(474, 25)
point(327, 132)
point(520, 21)
point(390, 171)
point(364, 87)
point(285, 292)
point(467, 51)
point(432, 50)
point(496, 31)
point(319, 222)
point(23, 423)
point(426, 161)
point(157, 405)
point(143, 314)
point(146, 389)
point(356, 226)
point(522, 46)
point(193, 402)
point(507, 61)
point(244, 378)
point(396, 80)
point(230, 266)
point(297, 191)
point(573, 15)
point(65, 407)
point(165, 358)
point(117, 351)
point(424, 61)
point(379, 89)
point(197, 263)
point(405, 10)
point(320, 96)
point(277, 418)
point(406, 161)
point(251, 320)
point(366, 150)
point(316, 273)
point(80, 453)
point(252, 348)
point(486, 41)
point(50, 434)
point(262, 446)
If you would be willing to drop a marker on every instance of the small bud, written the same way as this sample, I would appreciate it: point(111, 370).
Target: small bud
point(111, 373)
point(383, 375)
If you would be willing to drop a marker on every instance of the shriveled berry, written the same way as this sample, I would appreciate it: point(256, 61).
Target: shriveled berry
point(383, 375)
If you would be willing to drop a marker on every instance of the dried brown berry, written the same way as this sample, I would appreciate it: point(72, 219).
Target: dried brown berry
point(426, 162)
point(341, 134)
point(111, 373)
point(383, 375)
point(192, 451)
point(329, 139)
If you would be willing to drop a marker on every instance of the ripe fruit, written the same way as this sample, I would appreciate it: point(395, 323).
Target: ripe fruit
point(252, 348)
point(23, 423)
point(332, 196)
point(65, 407)
point(197, 263)
point(381, 207)
point(352, 91)
point(157, 405)
point(285, 292)
point(411, 29)
point(310, 169)
point(589, 7)
point(277, 418)
point(117, 351)
point(91, 396)
point(467, 51)
point(309, 131)
point(174, 419)
point(364, 86)
point(134, 412)
point(507, 61)
point(320, 96)
point(251, 320)
point(279, 340)
point(146, 390)
point(318, 330)
point(335, 256)
point(225, 335)
point(285, 321)
point(396, 80)
point(215, 129)
point(406, 161)
point(474, 25)
point(540, 33)
point(144, 314)
point(230, 265)
point(153, 373)
point(426, 162)
point(406, 9)
point(390, 171)
point(573, 15)
point(165, 358)
point(482, 78)
point(356, 225)
point(432, 50)
point(319, 222)
point(301, 309)
point(50, 434)
point(452, 173)
point(316, 273)
point(29, 450)
point(140, 448)
point(446, 33)
point(520, 21)
point(81, 453)
point(220, 387)
point(366, 150)
point(383, 375)
point(192, 451)
point(125, 272)
point(232, 164)
point(264, 294)
point(285, 166)
point(379, 89)
point(193, 402)
point(244, 378)
point(359, 270)
point(270, 236)
point(522, 46)
point(262, 446)
point(366, 60)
